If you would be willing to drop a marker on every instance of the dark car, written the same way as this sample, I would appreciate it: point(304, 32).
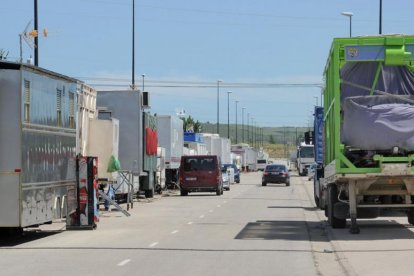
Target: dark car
point(200, 173)
point(276, 174)
point(236, 171)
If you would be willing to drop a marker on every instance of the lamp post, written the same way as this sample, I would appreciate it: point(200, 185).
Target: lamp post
point(143, 82)
point(251, 130)
point(236, 120)
point(228, 114)
point(316, 100)
point(133, 44)
point(248, 121)
point(218, 105)
point(243, 108)
point(380, 17)
point(349, 14)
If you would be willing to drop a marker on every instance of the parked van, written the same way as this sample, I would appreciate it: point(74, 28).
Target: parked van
point(200, 173)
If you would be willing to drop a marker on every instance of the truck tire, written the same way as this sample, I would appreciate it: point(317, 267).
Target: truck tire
point(183, 193)
point(315, 196)
point(149, 193)
point(332, 199)
point(410, 216)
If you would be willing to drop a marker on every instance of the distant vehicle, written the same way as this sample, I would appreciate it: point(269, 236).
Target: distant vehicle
point(305, 157)
point(276, 174)
point(225, 176)
point(200, 173)
point(236, 171)
point(261, 164)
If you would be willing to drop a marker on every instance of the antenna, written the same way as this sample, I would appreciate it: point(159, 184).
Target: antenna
point(28, 35)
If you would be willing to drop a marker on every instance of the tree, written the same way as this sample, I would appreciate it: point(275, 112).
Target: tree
point(190, 125)
point(271, 139)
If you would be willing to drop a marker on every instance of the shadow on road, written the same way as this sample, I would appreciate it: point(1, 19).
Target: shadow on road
point(378, 229)
point(278, 230)
point(11, 239)
point(295, 207)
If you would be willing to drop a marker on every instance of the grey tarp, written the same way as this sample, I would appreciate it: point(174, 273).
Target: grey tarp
point(377, 122)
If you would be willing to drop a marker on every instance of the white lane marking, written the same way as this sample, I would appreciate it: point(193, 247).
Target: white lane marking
point(202, 216)
point(153, 244)
point(190, 222)
point(174, 232)
point(211, 211)
point(219, 206)
point(124, 262)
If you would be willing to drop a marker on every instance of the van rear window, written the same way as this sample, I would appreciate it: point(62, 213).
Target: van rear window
point(199, 164)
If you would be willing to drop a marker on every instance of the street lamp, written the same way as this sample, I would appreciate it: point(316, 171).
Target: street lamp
point(228, 114)
point(380, 17)
point(143, 80)
point(218, 105)
point(248, 122)
point(349, 14)
point(236, 120)
point(243, 108)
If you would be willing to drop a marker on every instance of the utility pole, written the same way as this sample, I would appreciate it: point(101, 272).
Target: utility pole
point(36, 38)
point(133, 45)
point(236, 121)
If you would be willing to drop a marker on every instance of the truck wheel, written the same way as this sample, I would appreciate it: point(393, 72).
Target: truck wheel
point(332, 199)
point(183, 193)
point(315, 196)
point(264, 183)
point(149, 193)
point(410, 216)
point(218, 192)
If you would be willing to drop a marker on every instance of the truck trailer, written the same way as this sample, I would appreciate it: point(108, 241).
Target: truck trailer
point(137, 137)
point(38, 145)
point(368, 129)
point(171, 137)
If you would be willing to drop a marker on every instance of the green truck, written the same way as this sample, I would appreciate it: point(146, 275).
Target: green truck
point(368, 129)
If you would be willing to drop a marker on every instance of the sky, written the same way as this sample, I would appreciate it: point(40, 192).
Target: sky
point(269, 53)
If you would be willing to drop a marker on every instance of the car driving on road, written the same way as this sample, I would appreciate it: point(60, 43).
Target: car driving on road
point(276, 173)
point(200, 173)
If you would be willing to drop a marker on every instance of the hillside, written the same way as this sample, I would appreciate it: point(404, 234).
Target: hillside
point(277, 141)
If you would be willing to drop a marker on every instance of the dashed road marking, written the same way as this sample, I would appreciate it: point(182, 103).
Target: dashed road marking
point(211, 211)
point(124, 262)
point(202, 216)
point(153, 244)
point(174, 232)
point(219, 205)
point(190, 222)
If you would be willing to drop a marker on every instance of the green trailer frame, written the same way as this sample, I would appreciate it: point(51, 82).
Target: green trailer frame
point(344, 187)
point(393, 50)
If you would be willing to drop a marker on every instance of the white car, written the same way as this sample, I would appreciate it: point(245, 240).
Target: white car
point(225, 176)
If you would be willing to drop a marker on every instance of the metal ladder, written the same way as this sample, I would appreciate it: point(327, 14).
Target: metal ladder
point(113, 202)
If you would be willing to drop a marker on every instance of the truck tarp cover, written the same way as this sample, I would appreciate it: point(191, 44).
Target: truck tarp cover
point(377, 122)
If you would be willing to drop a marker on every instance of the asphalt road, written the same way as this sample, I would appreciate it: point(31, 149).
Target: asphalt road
point(250, 230)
